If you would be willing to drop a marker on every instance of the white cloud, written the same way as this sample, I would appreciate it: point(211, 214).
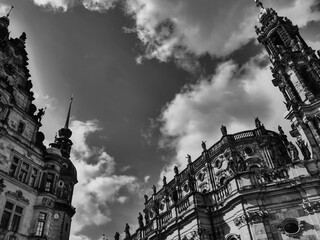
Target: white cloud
point(232, 97)
point(4, 9)
point(217, 27)
point(146, 179)
point(57, 5)
point(99, 5)
point(181, 29)
point(98, 185)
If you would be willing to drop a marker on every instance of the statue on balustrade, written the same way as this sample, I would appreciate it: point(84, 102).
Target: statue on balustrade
point(164, 180)
point(176, 170)
point(224, 130)
point(154, 189)
point(140, 220)
point(189, 158)
point(204, 146)
point(127, 230)
point(117, 236)
point(257, 122)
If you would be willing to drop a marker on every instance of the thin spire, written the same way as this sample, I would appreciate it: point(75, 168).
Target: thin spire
point(9, 11)
point(68, 116)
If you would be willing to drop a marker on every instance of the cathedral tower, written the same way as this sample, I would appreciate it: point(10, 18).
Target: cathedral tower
point(296, 72)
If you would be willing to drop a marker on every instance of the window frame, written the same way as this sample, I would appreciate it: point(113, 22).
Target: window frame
point(39, 230)
point(14, 217)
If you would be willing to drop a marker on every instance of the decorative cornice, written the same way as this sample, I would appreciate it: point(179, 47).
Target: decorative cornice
point(251, 217)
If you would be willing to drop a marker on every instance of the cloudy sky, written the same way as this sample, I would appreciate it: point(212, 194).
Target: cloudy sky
point(151, 79)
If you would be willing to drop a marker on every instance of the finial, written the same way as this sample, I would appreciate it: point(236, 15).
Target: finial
point(259, 4)
point(9, 11)
point(68, 116)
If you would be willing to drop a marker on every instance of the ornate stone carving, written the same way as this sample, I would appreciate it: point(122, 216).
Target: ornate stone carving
point(258, 216)
point(18, 195)
point(251, 217)
point(311, 207)
point(240, 221)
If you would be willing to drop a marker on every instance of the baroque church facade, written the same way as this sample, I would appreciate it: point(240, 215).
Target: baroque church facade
point(255, 184)
point(36, 183)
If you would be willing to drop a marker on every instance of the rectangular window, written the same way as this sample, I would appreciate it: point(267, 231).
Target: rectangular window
point(14, 166)
point(33, 177)
point(15, 222)
point(40, 224)
point(11, 216)
point(22, 175)
point(5, 219)
point(13, 169)
point(49, 182)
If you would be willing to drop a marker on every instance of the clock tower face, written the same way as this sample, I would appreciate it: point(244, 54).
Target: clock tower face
point(56, 216)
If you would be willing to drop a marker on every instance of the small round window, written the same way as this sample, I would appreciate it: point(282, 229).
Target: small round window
point(64, 165)
point(249, 151)
point(291, 227)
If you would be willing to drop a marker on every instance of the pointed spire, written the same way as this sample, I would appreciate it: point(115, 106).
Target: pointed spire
point(66, 125)
point(9, 11)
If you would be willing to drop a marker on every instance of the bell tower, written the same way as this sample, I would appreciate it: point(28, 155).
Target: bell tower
point(296, 72)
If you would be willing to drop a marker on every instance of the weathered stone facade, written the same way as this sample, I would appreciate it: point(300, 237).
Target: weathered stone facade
point(252, 185)
point(36, 183)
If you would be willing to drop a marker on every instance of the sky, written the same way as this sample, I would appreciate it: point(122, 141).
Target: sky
point(151, 79)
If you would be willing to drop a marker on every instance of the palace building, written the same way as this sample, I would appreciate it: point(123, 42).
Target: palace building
point(255, 184)
point(36, 183)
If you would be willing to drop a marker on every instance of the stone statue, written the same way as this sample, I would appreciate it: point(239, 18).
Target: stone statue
point(140, 220)
point(191, 181)
point(154, 189)
point(304, 149)
point(257, 122)
point(293, 151)
point(241, 164)
point(127, 230)
point(204, 146)
point(176, 170)
point(164, 180)
point(117, 236)
point(224, 130)
point(40, 114)
point(280, 130)
point(146, 198)
point(189, 158)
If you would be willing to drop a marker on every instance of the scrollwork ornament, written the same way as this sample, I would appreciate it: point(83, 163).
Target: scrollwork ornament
point(311, 207)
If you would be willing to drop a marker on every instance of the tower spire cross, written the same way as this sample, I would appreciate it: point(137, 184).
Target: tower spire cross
point(9, 11)
point(66, 125)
